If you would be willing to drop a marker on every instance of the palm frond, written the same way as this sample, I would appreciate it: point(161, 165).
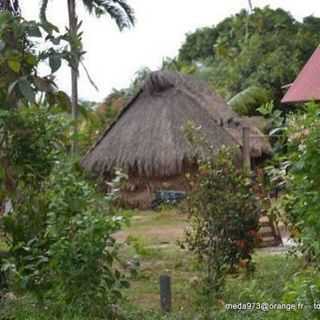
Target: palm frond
point(247, 101)
point(127, 10)
point(89, 4)
point(119, 10)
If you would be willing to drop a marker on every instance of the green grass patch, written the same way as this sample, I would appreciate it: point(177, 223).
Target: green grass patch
point(273, 271)
point(265, 285)
point(152, 239)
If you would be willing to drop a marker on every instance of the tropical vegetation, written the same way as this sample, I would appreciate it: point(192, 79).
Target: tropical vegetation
point(69, 251)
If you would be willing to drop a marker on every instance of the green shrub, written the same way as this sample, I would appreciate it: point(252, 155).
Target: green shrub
point(303, 289)
point(302, 202)
point(69, 256)
point(224, 213)
point(59, 229)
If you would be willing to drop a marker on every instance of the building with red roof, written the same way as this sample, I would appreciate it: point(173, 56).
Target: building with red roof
point(306, 87)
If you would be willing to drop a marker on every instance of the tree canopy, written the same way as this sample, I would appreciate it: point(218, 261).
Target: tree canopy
point(265, 48)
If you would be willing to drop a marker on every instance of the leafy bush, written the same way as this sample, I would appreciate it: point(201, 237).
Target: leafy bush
point(303, 289)
point(59, 230)
point(242, 50)
point(224, 214)
point(302, 201)
point(68, 257)
point(296, 174)
point(35, 139)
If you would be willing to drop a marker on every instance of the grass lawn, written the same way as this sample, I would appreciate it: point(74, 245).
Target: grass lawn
point(153, 237)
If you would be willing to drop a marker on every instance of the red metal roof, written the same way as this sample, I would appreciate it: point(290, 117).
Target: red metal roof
point(306, 87)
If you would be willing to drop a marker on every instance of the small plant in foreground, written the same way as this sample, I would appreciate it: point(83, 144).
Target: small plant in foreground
point(70, 260)
point(224, 214)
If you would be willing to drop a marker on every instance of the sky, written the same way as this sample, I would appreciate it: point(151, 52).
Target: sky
point(114, 57)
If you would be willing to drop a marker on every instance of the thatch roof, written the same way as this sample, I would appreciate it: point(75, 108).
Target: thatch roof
point(147, 136)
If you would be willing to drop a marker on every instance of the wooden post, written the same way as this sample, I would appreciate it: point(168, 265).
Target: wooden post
point(246, 159)
point(165, 293)
point(73, 24)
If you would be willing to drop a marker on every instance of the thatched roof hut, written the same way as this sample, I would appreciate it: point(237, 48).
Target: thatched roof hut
point(147, 137)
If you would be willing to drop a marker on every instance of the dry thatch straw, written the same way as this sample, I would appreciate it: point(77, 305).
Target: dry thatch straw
point(147, 138)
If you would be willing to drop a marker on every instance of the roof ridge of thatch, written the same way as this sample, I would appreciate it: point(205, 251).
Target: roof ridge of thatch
point(156, 82)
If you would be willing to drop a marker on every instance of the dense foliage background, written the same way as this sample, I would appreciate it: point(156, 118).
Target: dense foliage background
point(248, 57)
point(61, 258)
point(56, 227)
point(266, 49)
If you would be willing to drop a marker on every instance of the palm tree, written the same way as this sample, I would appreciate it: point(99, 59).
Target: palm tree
point(118, 10)
point(250, 5)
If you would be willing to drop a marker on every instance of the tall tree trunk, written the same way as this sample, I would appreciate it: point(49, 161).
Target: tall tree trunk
point(74, 73)
point(250, 5)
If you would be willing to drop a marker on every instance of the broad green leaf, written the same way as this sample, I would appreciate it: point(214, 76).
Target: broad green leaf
point(3, 19)
point(31, 59)
point(247, 101)
point(63, 100)
point(54, 62)
point(26, 90)
point(14, 65)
